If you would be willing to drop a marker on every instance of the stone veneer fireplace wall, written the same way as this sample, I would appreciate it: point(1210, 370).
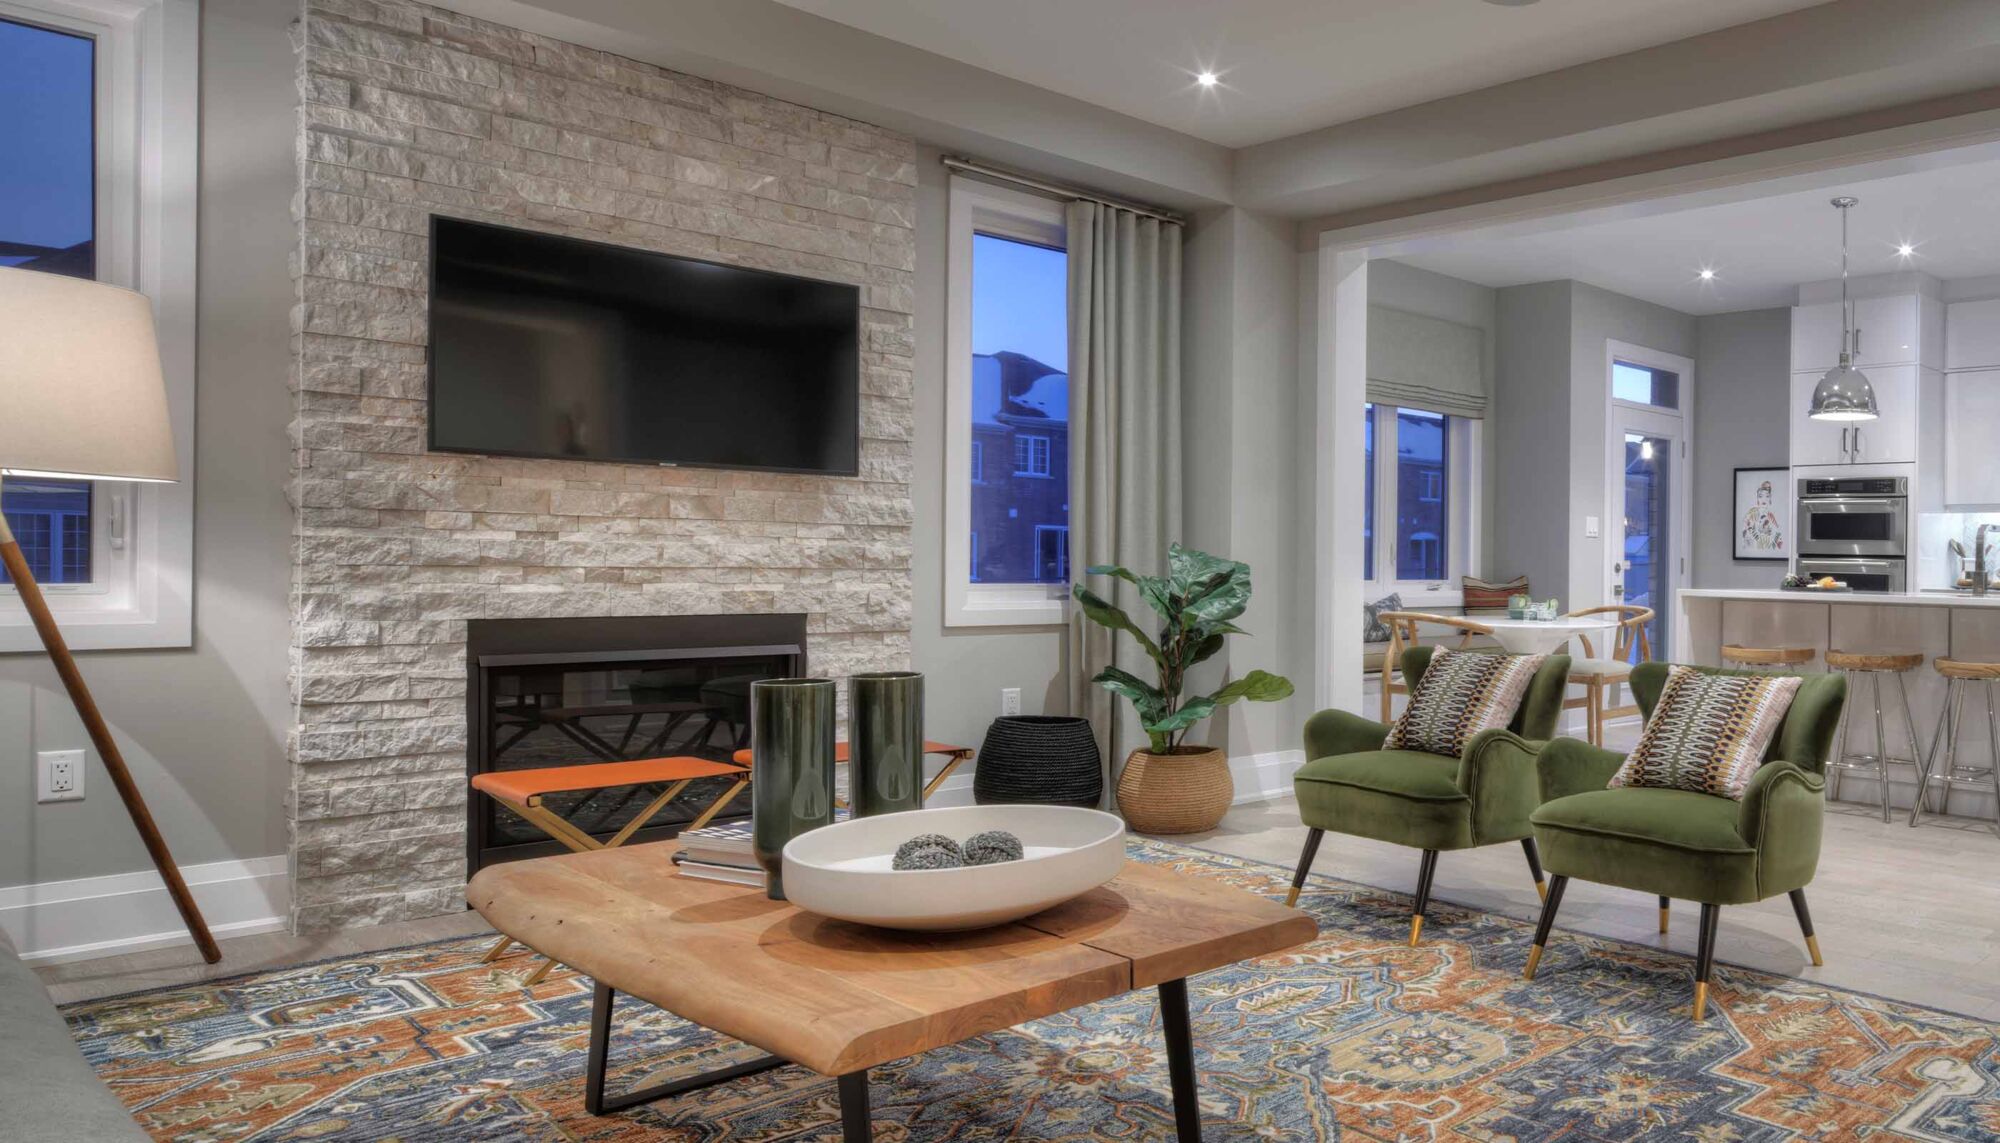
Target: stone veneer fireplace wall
point(408, 110)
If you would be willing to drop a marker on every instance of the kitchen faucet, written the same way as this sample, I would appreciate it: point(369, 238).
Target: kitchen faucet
point(1979, 572)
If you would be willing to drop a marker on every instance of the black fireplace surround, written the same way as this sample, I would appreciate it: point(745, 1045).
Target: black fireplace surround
point(563, 692)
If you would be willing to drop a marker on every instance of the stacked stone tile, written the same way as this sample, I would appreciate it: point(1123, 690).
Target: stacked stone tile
point(406, 111)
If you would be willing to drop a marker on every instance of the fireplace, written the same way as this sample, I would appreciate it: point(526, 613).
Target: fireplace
point(563, 692)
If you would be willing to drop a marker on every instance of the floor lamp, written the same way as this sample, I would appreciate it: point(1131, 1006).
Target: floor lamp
point(82, 398)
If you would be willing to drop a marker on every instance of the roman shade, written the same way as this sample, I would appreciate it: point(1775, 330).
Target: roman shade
point(1423, 362)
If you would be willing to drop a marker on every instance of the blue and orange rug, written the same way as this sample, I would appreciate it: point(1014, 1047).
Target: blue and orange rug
point(1355, 1037)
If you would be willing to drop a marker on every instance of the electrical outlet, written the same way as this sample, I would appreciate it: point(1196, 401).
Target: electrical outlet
point(1010, 700)
point(60, 776)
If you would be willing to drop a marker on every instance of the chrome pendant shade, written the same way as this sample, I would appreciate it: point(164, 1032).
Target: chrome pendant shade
point(1844, 394)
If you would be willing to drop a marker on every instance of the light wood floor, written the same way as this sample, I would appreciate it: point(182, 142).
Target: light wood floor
point(1912, 914)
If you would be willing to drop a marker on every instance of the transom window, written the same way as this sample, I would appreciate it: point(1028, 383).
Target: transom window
point(1645, 385)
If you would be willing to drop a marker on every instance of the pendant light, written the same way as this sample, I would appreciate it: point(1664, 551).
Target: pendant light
point(1844, 394)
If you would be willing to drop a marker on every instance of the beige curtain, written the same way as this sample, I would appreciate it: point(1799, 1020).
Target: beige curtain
point(1125, 437)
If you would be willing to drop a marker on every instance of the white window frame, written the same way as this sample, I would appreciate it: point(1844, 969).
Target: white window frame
point(1673, 423)
point(986, 209)
point(1462, 489)
point(148, 113)
point(1046, 468)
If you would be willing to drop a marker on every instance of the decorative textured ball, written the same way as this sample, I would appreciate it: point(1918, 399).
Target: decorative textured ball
point(992, 847)
point(928, 851)
point(925, 857)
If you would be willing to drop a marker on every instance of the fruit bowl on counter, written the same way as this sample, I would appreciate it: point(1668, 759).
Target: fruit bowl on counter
point(1824, 583)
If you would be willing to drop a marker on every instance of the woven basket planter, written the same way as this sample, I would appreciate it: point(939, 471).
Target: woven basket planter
point(1042, 759)
point(1184, 791)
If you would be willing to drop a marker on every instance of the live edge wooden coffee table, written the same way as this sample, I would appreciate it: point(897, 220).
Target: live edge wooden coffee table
point(840, 998)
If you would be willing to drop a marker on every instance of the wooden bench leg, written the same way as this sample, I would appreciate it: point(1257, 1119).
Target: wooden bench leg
point(497, 951)
point(539, 974)
point(715, 807)
point(646, 815)
point(955, 761)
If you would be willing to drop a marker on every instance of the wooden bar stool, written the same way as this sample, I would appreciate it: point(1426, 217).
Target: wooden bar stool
point(1872, 666)
point(1960, 676)
point(1769, 659)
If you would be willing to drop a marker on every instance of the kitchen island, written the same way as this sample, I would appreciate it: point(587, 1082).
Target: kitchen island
point(1931, 623)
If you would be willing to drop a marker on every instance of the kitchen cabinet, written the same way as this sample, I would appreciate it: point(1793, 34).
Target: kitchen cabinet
point(1889, 439)
point(1890, 332)
point(1972, 335)
point(1971, 437)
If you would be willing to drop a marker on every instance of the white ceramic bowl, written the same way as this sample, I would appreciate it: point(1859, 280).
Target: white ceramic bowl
point(843, 870)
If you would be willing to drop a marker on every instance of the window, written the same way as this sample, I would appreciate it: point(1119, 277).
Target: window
point(1419, 477)
point(1007, 397)
point(1645, 385)
point(1031, 456)
point(98, 113)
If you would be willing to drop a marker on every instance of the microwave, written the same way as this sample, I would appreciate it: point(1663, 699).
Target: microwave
point(1853, 516)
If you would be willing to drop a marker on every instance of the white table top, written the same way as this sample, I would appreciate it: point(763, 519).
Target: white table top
point(1535, 636)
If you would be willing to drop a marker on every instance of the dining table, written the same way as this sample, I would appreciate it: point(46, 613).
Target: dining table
point(1540, 636)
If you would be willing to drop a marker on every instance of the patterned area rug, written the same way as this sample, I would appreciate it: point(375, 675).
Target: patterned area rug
point(1354, 1037)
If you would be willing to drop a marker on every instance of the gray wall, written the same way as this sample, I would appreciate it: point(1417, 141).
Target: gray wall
point(203, 729)
point(1530, 436)
point(964, 668)
point(1413, 290)
point(1741, 420)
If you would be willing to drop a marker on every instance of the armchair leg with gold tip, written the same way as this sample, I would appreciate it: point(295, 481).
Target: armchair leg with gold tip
point(1549, 906)
point(1805, 925)
point(1535, 866)
point(1704, 958)
point(1313, 837)
point(1663, 914)
point(1425, 873)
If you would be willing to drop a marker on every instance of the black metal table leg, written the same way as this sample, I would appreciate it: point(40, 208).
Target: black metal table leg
point(594, 1100)
point(1180, 1059)
point(855, 1124)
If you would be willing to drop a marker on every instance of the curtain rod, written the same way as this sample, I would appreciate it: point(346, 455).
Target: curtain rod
point(1057, 190)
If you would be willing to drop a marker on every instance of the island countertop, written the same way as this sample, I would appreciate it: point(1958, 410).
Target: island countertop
point(1867, 598)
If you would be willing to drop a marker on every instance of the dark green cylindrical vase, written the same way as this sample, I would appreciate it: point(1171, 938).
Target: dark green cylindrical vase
point(791, 789)
point(885, 742)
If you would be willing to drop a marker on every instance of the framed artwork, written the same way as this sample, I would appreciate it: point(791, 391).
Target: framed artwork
point(1761, 528)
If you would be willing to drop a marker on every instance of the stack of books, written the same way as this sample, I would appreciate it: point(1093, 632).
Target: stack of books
point(720, 853)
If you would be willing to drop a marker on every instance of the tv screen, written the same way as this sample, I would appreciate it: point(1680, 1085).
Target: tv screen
point(546, 346)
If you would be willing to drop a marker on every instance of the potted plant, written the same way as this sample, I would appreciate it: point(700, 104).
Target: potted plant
point(1169, 786)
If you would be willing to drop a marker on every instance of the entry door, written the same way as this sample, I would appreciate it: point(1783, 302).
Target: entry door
point(1646, 542)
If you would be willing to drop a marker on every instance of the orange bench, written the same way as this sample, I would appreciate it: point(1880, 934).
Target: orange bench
point(522, 791)
point(958, 756)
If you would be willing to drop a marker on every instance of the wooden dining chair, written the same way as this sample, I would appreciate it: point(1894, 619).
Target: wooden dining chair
point(1600, 676)
point(1403, 633)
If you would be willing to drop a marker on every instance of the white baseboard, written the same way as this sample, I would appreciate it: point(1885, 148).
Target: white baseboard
point(128, 912)
point(1261, 777)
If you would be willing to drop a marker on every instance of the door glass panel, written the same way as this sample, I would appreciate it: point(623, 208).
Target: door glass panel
point(1648, 553)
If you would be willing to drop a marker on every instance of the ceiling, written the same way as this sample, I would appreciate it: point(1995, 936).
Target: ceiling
point(1761, 248)
point(1286, 66)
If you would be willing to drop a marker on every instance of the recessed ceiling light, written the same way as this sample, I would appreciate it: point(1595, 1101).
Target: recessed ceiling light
point(1208, 79)
point(1707, 275)
point(1904, 249)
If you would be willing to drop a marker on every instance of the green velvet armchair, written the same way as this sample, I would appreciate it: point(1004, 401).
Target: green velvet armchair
point(1679, 844)
point(1427, 801)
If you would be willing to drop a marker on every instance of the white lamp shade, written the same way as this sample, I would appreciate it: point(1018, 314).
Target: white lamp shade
point(81, 392)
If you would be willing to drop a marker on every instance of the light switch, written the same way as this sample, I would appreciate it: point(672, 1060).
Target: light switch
point(1590, 528)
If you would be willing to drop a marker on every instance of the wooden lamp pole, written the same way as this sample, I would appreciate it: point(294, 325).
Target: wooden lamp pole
point(100, 737)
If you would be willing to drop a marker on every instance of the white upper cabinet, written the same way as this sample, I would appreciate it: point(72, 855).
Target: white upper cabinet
point(1972, 420)
point(1890, 333)
point(1972, 335)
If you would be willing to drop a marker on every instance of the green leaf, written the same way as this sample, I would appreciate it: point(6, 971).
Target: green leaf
point(1213, 588)
point(1145, 697)
point(1257, 686)
point(1107, 614)
point(1206, 649)
point(1194, 711)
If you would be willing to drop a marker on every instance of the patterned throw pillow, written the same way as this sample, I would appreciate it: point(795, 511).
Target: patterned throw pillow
point(1483, 597)
point(1708, 733)
point(1373, 630)
point(1460, 694)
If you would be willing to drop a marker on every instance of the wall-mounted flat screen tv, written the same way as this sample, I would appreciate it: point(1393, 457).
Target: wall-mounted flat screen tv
point(546, 346)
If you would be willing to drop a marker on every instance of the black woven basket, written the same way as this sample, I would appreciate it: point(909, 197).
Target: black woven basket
point(1042, 759)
